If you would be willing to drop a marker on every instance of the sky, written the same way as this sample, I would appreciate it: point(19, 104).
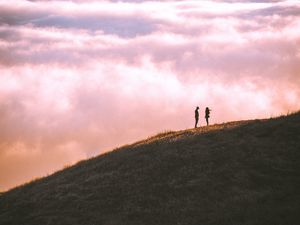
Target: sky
point(80, 78)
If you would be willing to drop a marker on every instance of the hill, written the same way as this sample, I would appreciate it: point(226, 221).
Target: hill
point(238, 173)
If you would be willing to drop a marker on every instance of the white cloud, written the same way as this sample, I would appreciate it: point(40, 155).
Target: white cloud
point(79, 78)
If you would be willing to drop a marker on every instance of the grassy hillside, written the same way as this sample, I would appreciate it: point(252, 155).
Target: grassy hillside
point(239, 173)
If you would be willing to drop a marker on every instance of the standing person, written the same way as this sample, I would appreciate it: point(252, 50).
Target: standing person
point(196, 116)
point(207, 112)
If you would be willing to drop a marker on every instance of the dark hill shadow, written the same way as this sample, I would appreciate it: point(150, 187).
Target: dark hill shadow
point(235, 173)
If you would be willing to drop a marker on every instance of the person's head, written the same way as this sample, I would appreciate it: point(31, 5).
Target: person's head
point(197, 108)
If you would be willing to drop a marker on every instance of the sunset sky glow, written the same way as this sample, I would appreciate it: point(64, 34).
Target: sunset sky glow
point(79, 78)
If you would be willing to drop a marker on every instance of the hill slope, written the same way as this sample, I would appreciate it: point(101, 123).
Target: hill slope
point(235, 173)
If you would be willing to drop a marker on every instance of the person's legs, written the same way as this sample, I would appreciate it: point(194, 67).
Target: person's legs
point(206, 120)
point(196, 122)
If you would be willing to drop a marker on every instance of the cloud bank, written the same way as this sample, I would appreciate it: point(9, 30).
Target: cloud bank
point(78, 78)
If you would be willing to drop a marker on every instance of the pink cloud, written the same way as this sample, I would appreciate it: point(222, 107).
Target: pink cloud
point(74, 84)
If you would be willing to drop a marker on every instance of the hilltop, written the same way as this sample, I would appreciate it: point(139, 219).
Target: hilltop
point(237, 173)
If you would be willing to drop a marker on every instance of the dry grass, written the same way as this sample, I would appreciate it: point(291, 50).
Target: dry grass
point(235, 173)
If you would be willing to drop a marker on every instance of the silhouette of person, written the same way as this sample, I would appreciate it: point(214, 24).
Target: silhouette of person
point(207, 113)
point(196, 116)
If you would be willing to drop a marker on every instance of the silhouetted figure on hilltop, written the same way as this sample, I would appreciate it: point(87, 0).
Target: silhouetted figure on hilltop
point(196, 116)
point(207, 113)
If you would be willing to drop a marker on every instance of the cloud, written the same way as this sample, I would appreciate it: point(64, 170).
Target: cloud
point(79, 78)
point(100, 17)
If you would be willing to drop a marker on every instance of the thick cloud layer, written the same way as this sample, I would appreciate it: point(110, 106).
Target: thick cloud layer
point(78, 78)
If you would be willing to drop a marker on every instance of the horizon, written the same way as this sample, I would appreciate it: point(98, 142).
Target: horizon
point(79, 78)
